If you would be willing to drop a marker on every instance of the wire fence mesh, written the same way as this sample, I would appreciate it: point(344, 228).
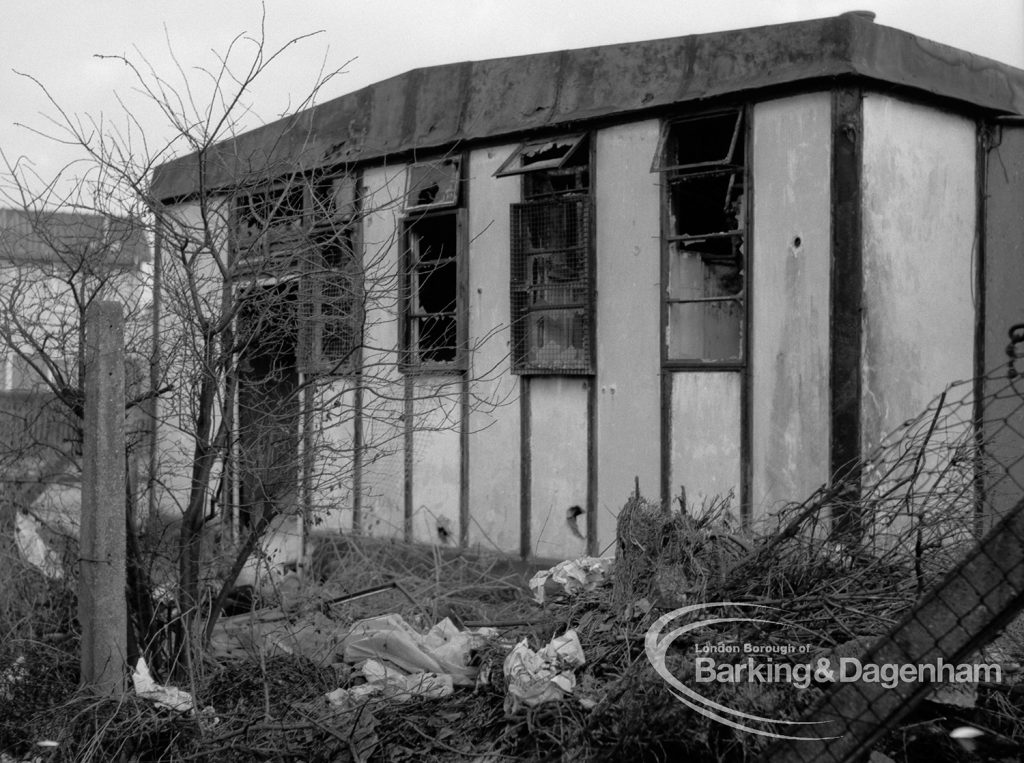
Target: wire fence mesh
point(879, 620)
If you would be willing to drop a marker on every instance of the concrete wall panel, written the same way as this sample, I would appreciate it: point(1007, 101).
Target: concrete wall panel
point(705, 453)
point(919, 231)
point(628, 278)
point(558, 448)
point(383, 426)
point(435, 459)
point(790, 299)
point(494, 458)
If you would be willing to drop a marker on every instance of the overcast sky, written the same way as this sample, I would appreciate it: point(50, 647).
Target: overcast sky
point(56, 41)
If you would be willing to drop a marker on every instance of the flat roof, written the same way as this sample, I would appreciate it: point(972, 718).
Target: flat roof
point(434, 108)
point(47, 237)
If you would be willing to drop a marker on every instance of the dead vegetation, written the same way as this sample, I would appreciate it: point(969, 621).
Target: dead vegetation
point(265, 703)
point(832, 574)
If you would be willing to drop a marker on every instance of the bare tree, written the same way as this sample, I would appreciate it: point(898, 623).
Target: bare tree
point(268, 318)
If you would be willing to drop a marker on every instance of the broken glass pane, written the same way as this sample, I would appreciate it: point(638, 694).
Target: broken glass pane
point(274, 209)
point(704, 204)
point(540, 155)
point(702, 269)
point(705, 331)
point(433, 185)
point(434, 338)
point(335, 199)
point(433, 288)
point(704, 141)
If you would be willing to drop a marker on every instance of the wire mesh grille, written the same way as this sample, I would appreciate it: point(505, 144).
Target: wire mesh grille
point(552, 292)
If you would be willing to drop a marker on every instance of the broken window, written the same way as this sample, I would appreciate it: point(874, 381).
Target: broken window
point(702, 164)
point(431, 303)
point(268, 223)
point(541, 155)
point(307, 233)
point(335, 200)
point(551, 285)
point(433, 185)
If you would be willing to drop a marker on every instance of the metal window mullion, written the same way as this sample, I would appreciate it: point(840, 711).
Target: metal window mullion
point(531, 288)
point(442, 314)
point(684, 237)
point(556, 308)
point(434, 263)
point(697, 300)
point(686, 173)
point(665, 138)
point(554, 250)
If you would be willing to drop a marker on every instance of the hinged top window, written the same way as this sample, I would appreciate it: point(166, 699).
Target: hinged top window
point(539, 155)
point(705, 142)
point(433, 185)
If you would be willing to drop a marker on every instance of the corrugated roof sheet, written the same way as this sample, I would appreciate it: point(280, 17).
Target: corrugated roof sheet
point(51, 236)
point(436, 107)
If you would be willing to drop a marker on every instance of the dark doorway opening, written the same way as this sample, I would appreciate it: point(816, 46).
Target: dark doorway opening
point(268, 402)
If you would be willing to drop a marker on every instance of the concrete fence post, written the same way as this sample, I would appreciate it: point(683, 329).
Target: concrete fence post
point(102, 609)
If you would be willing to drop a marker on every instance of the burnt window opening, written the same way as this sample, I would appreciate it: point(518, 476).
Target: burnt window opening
point(552, 292)
point(269, 227)
point(272, 225)
point(431, 304)
point(276, 209)
point(702, 161)
point(433, 185)
point(308, 238)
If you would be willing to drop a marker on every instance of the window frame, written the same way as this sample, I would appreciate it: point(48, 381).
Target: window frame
point(298, 258)
point(409, 358)
point(450, 198)
point(311, 358)
point(509, 166)
point(673, 175)
point(664, 140)
point(521, 286)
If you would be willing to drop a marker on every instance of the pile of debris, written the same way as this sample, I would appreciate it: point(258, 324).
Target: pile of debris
point(572, 665)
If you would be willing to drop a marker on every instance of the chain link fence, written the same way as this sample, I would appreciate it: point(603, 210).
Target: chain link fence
point(879, 619)
point(935, 521)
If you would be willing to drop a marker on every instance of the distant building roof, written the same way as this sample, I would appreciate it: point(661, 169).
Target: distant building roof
point(440, 106)
point(53, 236)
